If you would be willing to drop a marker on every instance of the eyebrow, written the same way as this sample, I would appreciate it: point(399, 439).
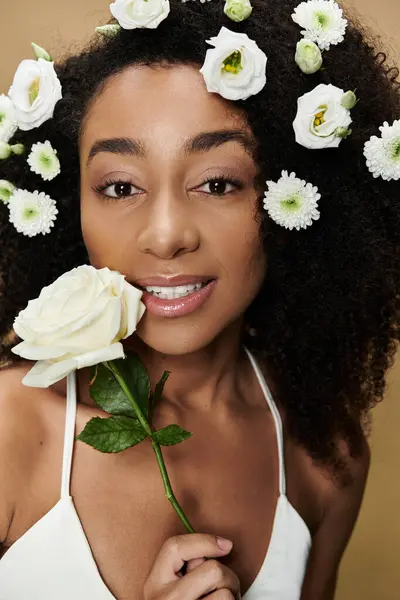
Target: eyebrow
point(201, 142)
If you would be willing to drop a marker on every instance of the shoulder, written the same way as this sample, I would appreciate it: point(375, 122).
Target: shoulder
point(21, 429)
point(340, 508)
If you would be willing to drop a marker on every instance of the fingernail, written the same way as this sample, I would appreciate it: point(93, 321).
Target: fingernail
point(224, 544)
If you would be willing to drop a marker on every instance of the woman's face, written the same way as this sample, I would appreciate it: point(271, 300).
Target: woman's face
point(149, 144)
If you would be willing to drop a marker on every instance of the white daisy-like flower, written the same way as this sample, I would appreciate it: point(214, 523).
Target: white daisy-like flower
point(6, 190)
point(291, 202)
point(32, 212)
point(383, 154)
point(43, 160)
point(323, 22)
point(8, 122)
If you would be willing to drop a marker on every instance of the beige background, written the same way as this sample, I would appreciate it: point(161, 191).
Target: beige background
point(371, 566)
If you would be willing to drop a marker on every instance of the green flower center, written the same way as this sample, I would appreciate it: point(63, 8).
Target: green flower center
point(33, 90)
point(46, 160)
point(2, 117)
point(30, 214)
point(232, 63)
point(321, 19)
point(396, 150)
point(5, 194)
point(291, 204)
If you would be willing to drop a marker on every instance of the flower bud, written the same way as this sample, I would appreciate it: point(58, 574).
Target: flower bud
point(308, 56)
point(17, 149)
point(109, 30)
point(5, 150)
point(349, 100)
point(41, 52)
point(238, 10)
point(6, 190)
point(342, 132)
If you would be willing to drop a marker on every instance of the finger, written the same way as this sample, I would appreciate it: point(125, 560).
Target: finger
point(209, 577)
point(193, 563)
point(223, 594)
point(178, 549)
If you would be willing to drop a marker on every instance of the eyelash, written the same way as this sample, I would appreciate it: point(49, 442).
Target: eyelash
point(100, 189)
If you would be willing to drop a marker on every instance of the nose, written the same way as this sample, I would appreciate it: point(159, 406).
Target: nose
point(170, 227)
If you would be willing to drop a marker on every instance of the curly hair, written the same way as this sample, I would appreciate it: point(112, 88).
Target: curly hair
point(326, 320)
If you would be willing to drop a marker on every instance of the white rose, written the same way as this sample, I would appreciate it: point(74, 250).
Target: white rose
point(35, 91)
point(321, 119)
point(76, 322)
point(236, 67)
point(131, 14)
point(8, 123)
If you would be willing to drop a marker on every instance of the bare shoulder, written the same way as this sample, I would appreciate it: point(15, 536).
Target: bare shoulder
point(20, 429)
point(340, 508)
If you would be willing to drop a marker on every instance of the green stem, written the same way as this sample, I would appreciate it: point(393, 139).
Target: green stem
point(156, 446)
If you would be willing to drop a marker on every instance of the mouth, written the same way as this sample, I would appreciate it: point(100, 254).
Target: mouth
point(175, 296)
point(172, 292)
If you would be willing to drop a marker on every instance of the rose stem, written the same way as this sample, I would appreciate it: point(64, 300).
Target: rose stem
point(156, 446)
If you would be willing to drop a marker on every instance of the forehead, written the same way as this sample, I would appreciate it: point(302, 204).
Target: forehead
point(158, 103)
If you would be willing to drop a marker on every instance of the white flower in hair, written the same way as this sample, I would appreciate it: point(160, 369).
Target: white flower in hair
point(383, 154)
point(32, 212)
point(291, 202)
point(35, 91)
point(43, 160)
point(322, 119)
point(6, 190)
point(8, 122)
point(132, 14)
point(236, 67)
point(322, 20)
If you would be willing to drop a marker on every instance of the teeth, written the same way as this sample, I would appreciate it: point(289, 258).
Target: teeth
point(170, 293)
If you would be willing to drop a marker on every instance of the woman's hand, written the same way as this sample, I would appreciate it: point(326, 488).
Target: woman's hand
point(203, 577)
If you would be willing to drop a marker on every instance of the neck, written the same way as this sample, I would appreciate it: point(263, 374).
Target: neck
point(216, 381)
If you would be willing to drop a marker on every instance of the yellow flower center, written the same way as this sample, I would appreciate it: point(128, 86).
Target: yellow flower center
point(232, 64)
point(319, 118)
point(33, 90)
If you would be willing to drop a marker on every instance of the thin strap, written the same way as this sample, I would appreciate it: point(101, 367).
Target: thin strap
point(69, 435)
point(277, 420)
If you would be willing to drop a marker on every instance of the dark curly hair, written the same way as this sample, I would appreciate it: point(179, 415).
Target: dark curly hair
point(326, 321)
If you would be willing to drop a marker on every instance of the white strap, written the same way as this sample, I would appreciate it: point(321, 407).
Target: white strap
point(69, 435)
point(277, 420)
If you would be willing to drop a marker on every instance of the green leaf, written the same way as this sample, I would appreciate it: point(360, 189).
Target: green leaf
point(137, 379)
point(171, 435)
point(113, 434)
point(107, 393)
point(158, 391)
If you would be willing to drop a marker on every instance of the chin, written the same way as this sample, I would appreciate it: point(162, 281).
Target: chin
point(177, 337)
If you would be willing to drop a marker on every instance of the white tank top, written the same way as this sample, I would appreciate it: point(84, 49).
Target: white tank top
point(53, 559)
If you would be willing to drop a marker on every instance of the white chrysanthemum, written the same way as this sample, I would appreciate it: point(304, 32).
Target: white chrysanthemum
point(43, 160)
point(32, 212)
point(291, 202)
point(383, 154)
point(6, 190)
point(8, 122)
point(323, 22)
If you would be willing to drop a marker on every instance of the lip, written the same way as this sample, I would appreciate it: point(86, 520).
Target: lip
point(178, 307)
point(172, 281)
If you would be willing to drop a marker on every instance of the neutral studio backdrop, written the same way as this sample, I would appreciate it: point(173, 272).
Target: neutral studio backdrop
point(371, 566)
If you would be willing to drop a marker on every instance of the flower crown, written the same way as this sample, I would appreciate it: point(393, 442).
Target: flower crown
point(235, 68)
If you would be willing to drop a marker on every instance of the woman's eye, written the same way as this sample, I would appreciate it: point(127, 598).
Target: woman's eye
point(218, 186)
point(119, 189)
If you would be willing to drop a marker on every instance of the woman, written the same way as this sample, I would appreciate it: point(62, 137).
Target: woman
point(162, 179)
